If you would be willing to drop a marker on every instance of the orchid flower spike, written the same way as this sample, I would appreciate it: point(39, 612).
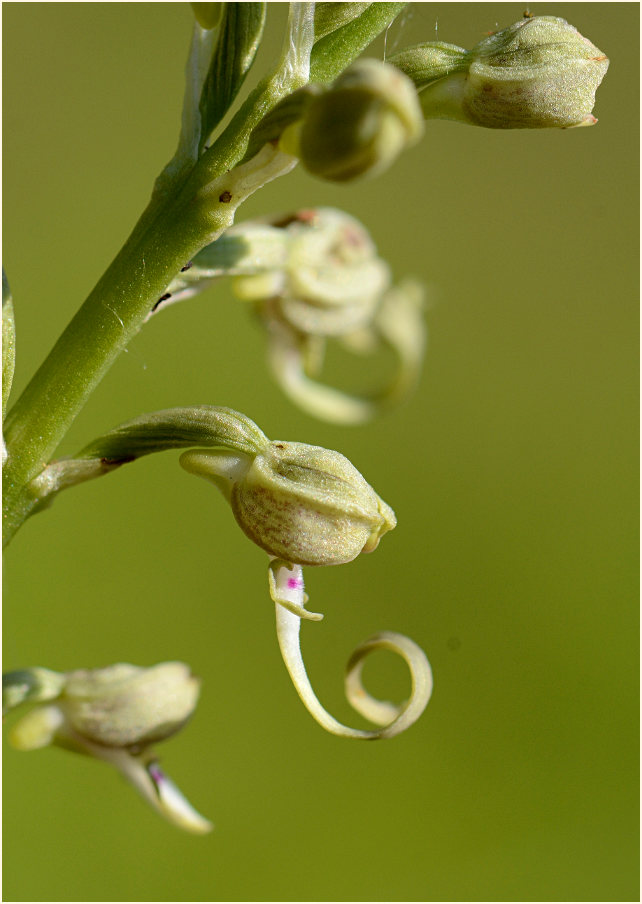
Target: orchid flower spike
point(113, 714)
point(305, 505)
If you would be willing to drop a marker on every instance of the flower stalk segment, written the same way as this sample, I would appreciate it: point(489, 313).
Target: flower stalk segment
point(8, 343)
point(160, 431)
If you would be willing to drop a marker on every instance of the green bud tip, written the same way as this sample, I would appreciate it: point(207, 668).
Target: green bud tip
point(208, 15)
point(359, 125)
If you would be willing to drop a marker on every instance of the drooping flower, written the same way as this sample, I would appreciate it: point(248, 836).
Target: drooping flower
point(314, 278)
point(113, 714)
point(305, 505)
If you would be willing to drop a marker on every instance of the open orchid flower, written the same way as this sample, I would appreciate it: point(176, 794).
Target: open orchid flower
point(113, 714)
point(305, 505)
point(315, 277)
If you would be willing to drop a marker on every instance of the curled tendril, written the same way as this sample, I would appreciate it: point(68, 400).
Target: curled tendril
point(296, 359)
point(286, 589)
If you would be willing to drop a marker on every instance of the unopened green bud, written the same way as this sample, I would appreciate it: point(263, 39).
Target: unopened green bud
point(359, 125)
point(538, 73)
point(208, 15)
point(125, 705)
point(304, 504)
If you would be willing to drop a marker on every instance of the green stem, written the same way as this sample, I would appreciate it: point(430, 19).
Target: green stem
point(111, 317)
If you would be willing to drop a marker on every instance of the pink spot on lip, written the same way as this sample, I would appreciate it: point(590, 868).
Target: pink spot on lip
point(156, 773)
point(295, 583)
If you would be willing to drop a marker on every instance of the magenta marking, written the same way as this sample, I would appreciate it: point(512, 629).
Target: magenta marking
point(156, 773)
point(295, 583)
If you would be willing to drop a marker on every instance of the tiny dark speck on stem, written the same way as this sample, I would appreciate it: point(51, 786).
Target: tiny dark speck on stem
point(162, 298)
point(225, 197)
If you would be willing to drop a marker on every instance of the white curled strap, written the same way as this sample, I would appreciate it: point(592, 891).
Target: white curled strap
point(393, 719)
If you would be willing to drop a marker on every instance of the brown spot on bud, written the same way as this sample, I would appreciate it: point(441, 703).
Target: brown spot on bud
point(117, 462)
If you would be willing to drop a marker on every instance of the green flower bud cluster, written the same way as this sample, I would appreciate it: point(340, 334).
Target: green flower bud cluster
point(357, 126)
point(538, 73)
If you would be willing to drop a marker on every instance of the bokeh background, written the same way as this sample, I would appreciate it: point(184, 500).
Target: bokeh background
point(513, 472)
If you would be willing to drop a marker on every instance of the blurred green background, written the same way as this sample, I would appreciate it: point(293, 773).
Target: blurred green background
point(513, 473)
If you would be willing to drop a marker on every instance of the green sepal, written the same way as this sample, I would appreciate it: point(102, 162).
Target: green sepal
point(8, 342)
point(160, 431)
point(30, 686)
point(329, 17)
point(425, 63)
point(241, 30)
point(334, 52)
point(177, 428)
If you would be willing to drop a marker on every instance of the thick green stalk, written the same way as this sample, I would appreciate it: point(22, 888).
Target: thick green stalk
point(110, 318)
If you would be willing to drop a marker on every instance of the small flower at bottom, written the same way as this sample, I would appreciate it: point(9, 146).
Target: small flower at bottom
point(113, 714)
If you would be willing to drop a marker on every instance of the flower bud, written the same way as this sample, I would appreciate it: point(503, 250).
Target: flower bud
point(303, 504)
point(359, 125)
point(208, 15)
point(125, 705)
point(538, 73)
